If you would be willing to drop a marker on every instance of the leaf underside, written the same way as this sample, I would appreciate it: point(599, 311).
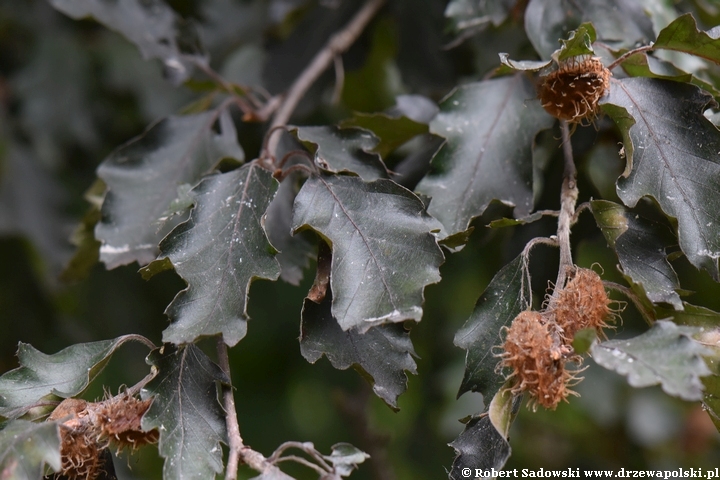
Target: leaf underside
point(384, 353)
point(666, 354)
point(383, 254)
point(504, 298)
point(64, 374)
point(671, 149)
point(186, 412)
point(219, 250)
point(144, 176)
point(490, 127)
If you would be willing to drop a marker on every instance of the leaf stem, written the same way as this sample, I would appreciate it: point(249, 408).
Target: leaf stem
point(335, 46)
point(568, 198)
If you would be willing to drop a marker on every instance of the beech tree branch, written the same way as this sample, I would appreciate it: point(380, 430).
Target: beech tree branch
point(568, 199)
point(336, 45)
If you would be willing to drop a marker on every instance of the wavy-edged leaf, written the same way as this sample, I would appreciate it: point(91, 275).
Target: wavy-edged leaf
point(672, 155)
point(504, 298)
point(619, 23)
point(683, 35)
point(151, 25)
point(392, 131)
point(26, 447)
point(383, 353)
point(641, 246)
point(219, 250)
point(490, 127)
point(143, 178)
point(691, 315)
point(64, 374)
point(524, 65)
point(186, 412)
point(469, 14)
point(383, 254)
point(666, 354)
point(345, 150)
point(579, 42)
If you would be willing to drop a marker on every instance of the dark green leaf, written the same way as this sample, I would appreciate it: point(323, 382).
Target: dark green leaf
point(383, 353)
point(665, 354)
point(151, 25)
point(672, 154)
point(383, 252)
point(504, 298)
point(579, 42)
point(143, 178)
point(294, 252)
point(683, 35)
point(490, 127)
point(345, 458)
point(25, 449)
point(479, 447)
point(512, 222)
point(392, 131)
point(64, 374)
point(219, 250)
point(641, 247)
point(186, 412)
point(619, 23)
point(469, 14)
point(691, 315)
point(346, 150)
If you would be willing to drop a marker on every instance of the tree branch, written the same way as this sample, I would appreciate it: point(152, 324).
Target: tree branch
point(336, 45)
point(568, 198)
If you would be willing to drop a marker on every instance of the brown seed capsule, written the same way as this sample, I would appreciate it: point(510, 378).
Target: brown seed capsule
point(573, 90)
point(583, 303)
point(118, 419)
point(536, 355)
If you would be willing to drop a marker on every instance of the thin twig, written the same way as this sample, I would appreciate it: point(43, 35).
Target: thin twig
point(626, 55)
point(235, 442)
point(568, 198)
point(302, 461)
point(306, 447)
point(336, 45)
point(339, 80)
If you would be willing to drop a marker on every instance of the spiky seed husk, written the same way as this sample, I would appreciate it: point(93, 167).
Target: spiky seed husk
point(573, 90)
point(536, 355)
point(582, 303)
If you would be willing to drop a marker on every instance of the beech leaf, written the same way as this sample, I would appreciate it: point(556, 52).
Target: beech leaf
point(383, 251)
point(490, 127)
point(392, 131)
point(619, 23)
point(479, 447)
point(383, 353)
point(151, 25)
point(683, 35)
point(143, 178)
point(666, 354)
point(345, 150)
point(641, 246)
point(672, 154)
point(504, 298)
point(469, 14)
point(186, 412)
point(26, 447)
point(219, 251)
point(64, 374)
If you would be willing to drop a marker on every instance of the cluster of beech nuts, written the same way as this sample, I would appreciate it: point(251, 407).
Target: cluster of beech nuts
point(538, 345)
point(88, 428)
point(572, 92)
